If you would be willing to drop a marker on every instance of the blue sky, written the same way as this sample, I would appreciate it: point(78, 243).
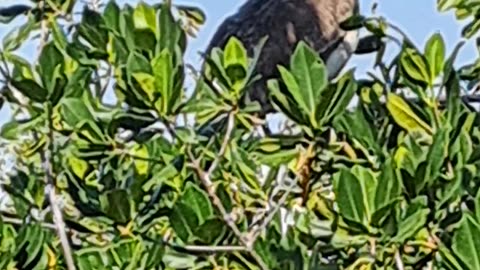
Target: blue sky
point(418, 18)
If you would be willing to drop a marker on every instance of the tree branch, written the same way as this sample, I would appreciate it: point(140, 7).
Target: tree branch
point(205, 178)
point(398, 260)
point(47, 162)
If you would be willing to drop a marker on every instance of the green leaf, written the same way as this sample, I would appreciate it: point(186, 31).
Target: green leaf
point(92, 29)
point(198, 200)
point(31, 89)
point(194, 13)
point(50, 58)
point(294, 88)
point(210, 230)
point(477, 206)
point(74, 111)
point(389, 185)
point(169, 33)
point(163, 73)
point(354, 195)
point(16, 37)
point(414, 220)
point(471, 29)
point(176, 260)
point(58, 35)
point(144, 17)
point(235, 61)
point(436, 155)
point(138, 63)
point(310, 74)
point(184, 220)
point(466, 242)
point(12, 130)
point(30, 251)
point(111, 15)
point(310, 224)
point(147, 84)
point(335, 99)
point(353, 23)
point(404, 115)
point(7, 14)
point(415, 66)
point(356, 126)
point(118, 205)
point(285, 103)
point(435, 54)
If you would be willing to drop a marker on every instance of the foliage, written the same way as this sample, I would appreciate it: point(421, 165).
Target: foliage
point(389, 182)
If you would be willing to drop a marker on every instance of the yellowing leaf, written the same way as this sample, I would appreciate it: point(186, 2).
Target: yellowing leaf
point(144, 17)
point(140, 153)
point(78, 166)
point(404, 116)
point(147, 83)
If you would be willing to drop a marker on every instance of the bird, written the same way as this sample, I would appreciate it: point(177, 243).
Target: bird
point(285, 23)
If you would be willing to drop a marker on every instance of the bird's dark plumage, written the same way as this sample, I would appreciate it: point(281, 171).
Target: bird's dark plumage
point(285, 23)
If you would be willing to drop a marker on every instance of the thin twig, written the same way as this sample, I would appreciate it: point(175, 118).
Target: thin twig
point(206, 180)
point(226, 140)
point(47, 162)
point(214, 249)
point(258, 229)
point(43, 27)
point(398, 260)
point(17, 221)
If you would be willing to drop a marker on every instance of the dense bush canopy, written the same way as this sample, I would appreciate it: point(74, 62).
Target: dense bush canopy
point(381, 172)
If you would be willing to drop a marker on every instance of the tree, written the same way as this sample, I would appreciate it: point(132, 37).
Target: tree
point(388, 182)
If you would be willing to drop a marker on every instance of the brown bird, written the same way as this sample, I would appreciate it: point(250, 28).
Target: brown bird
point(285, 23)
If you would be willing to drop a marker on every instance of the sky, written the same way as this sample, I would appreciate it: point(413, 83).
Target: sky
point(418, 18)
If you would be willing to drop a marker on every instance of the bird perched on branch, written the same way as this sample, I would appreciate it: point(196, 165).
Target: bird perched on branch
point(285, 23)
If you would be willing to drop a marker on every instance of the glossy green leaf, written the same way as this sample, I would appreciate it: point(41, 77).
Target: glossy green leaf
point(436, 155)
point(435, 54)
point(31, 89)
point(415, 66)
point(466, 242)
point(163, 71)
point(111, 15)
point(49, 60)
point(355, 195)
point(74, 110)
point(184, 220)
point(389, 185)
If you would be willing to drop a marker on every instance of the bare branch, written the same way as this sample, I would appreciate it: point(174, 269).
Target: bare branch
point(398, 260)
point(17, 221)
point(206, 180)
point(256, 230)
point(226, 140)
point(47, 162)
